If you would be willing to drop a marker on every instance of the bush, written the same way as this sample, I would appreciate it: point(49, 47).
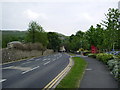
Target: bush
point(34, 46)
point(118, 56)
point(114, 66)
point(92, 55)
point(104, 57)
point(18, 46)
point(86, 52)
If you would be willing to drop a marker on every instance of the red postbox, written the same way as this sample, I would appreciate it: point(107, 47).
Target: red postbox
point(93, 49)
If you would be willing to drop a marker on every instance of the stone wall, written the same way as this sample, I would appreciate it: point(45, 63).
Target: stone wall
point(13, 55)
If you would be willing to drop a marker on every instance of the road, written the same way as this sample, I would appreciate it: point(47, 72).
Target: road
point(33, 73)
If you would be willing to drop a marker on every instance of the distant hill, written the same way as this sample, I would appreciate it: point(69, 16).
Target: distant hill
point(61, 36)
point(12, 35)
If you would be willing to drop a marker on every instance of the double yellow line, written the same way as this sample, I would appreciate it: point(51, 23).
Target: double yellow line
point(58, 77)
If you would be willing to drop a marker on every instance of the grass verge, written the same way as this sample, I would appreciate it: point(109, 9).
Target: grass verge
point(72, 54)
point(72, 79)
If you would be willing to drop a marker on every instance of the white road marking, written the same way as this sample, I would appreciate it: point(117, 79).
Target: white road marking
point(3, 80)
point(48, 58)
point(57, 57)
point(30, 59)
point(26, 62)
point(18, 68)
point(54, 59)
point(44, 59)
point(46, 63)
point(88, 69)
point(30, 70)
point(8, 67)
point(37, 59)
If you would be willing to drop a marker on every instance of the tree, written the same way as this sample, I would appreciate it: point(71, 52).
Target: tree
point(95, 36)
point(112, 27)
point(91, 36)
point(36, 34)
point(54, 41)
point(78, 41)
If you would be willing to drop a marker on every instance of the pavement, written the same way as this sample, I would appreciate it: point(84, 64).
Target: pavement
point(33, 73)
point(97, 75)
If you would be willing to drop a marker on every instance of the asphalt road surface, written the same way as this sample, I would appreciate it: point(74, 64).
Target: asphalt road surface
point(98, 76)
point(33, 73)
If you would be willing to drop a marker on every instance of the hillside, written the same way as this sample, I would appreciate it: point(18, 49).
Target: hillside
point(8, 36)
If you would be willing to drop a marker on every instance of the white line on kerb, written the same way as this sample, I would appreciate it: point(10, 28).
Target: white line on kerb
point(3, 80)
point(30, 70)
point(46, 62)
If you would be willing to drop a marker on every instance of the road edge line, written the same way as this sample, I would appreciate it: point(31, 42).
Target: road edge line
point(60, 76)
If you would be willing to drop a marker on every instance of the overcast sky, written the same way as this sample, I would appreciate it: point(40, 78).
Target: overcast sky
point(63, 16)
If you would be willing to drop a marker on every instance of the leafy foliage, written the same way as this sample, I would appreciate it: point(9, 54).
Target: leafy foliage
point(114, 67)
point(104, 57)
point(112, 28)
point(36, 34)
point(54, 41)
point(8, 36)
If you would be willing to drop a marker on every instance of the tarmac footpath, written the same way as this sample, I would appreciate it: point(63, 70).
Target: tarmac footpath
point(97, 75)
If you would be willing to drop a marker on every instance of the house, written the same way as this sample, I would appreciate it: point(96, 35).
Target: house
point(62, 49)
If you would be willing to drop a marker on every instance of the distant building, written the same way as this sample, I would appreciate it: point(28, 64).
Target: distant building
point(62, 49)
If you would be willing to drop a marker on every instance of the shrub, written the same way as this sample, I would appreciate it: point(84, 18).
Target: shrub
point(112, 63)
point(118, 56)
point(34, 46)
point(104, 57)
point(18, 46)
point(114, 66)
point(86, 52)
point(92, 55)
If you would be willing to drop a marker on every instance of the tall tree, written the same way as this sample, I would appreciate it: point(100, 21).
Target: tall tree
point(95, 36)
point(112, 27)
point(54, 41)
point(36, 34)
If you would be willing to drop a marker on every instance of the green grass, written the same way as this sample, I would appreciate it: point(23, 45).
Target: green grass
point(72, 79)
point(72, 54)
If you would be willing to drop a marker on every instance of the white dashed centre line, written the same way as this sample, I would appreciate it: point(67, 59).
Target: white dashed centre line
point(48, 58)
point(3, 80)
point(26, 62)
point(46, 63)
point(37, 59)
point(30, 70)
point(44, 59)
point(57, 57)
point(54, 59)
